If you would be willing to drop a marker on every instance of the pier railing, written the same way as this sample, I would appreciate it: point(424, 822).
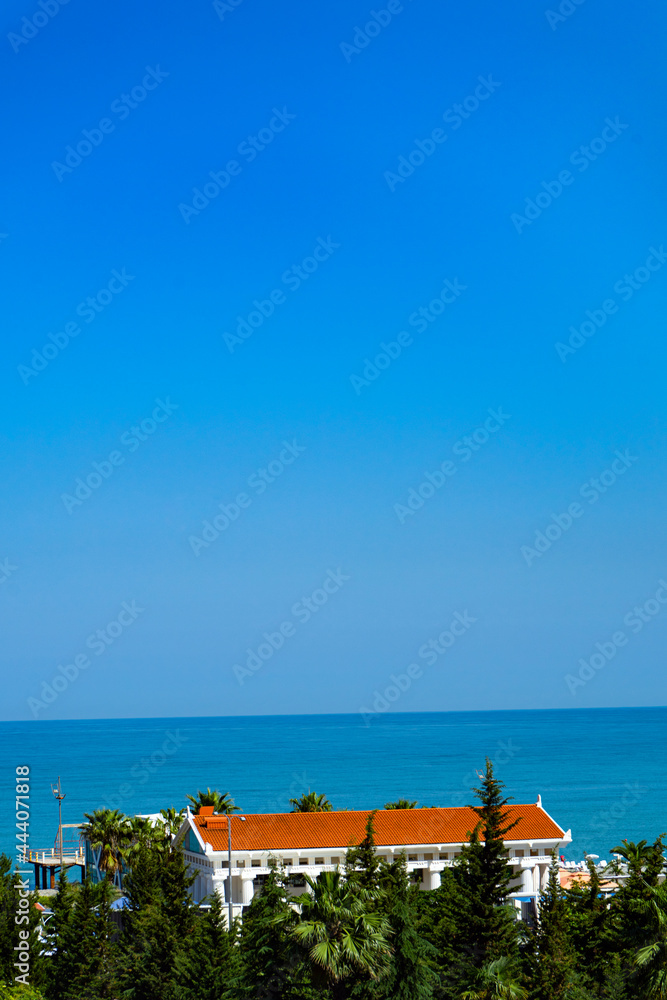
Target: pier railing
point(51, 856)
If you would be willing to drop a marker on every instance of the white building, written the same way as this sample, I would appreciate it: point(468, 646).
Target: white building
point(309, 843)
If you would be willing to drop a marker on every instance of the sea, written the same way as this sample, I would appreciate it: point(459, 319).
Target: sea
point(601, 773)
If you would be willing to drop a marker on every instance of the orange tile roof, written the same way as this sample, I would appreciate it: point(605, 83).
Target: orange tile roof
point(568, 879)
point(303, 831)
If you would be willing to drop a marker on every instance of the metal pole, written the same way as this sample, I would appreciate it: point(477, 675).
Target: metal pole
point(229, 870)
point(58, 794)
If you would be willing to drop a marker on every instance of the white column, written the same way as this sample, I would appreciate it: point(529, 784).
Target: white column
point(434, 880)
point(248, 890)
point(536, 879)
point(526, 881)
point(545, 877)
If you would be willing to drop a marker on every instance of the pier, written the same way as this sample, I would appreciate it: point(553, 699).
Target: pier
point(49, 861)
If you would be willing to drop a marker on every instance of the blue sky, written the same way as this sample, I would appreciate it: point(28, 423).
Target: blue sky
point(314, 211)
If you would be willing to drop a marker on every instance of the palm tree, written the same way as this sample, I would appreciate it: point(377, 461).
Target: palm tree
point(497, 982)
point(107, 830)
point(341, 932)
point(401, 804)
point(637, 855)
point(221, 801)
point(311, 803)
point(652, 958)
point(171, 820)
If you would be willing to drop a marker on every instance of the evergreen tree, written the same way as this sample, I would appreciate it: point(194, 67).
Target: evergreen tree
point(208, 967)
point(81, 964)
point(59, 967)
point(411, 976)
point(157, 926)
point(484, 877)
point(552, 957)
point(268, 958)
point(362, 863)
point(444, 919)
point(10, 931)
point(589, 930)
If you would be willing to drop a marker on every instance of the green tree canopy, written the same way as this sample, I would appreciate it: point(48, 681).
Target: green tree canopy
point(311, 802)
point(222, 802)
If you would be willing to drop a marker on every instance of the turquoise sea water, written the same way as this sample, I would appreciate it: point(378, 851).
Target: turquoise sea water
point(602, 772)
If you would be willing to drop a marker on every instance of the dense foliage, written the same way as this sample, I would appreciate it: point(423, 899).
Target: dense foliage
point(364, 932)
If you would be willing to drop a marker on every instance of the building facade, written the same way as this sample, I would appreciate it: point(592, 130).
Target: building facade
point(310, 843)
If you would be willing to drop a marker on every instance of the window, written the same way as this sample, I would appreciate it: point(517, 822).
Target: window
point(428, 857)
point(319, 861)
point(534, 853)
point(417, 876)
point(413, 857)
point(287, 861)
point(240, 864)
point(297, 881)
point(303, 861)
point(255, 863)
point(335, 860)
point(443, 857)
point(518, 854)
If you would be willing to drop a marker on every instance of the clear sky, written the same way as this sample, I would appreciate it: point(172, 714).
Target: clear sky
point(212, 220)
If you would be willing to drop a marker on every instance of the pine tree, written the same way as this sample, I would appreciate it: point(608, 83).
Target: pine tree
point(208, 968)
point(439, 920)
point(484, 876)
point(157, 926)
point(267, 955)
point(10, 931)
point(590, 931)
point(59, 968)
point(363, 865)
point(411, 976)
point(552, 956)
point(83, 929)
